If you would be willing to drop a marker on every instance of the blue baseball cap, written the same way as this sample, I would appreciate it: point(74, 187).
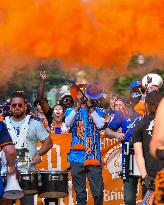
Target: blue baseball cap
point(134, 84)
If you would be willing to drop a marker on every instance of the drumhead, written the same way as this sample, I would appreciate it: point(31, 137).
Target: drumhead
point(53, 195)
point(52, 171)
point(31, 172)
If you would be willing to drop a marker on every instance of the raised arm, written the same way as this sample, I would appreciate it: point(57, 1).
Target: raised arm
point(99, 121)
point(71, 115)
point(43, 103)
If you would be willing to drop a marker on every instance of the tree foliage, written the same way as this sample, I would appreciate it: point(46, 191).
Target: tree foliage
point(28, 81)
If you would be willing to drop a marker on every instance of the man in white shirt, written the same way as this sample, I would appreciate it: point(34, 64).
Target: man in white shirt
point(25, 133)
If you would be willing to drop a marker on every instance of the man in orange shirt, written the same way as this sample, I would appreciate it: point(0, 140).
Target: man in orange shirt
point(150, 82)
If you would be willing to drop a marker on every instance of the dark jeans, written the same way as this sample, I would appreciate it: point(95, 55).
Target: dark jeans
point(27, 200)
point(79, 173)
point(130, 191)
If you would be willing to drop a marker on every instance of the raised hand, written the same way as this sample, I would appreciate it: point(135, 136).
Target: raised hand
point(43, 75)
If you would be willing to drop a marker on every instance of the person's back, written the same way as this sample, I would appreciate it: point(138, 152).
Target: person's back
point(142, 136)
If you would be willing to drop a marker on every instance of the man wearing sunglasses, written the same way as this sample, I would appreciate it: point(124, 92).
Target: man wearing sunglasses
point(26, 132)
point(125, 118)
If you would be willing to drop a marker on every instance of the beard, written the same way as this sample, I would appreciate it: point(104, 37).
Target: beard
point(17, 114)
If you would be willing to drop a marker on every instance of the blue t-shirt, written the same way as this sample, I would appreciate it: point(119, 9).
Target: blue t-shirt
point(127, 123)
point(111, 112)
point(5, 139)
point(123, 121)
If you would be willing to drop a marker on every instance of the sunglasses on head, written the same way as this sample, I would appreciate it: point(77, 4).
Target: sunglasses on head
point(14, 105)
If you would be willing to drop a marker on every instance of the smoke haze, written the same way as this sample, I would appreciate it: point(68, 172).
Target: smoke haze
point(99, 33)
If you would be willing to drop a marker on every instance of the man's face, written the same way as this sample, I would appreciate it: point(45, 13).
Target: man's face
point(136, 89)
point(18, 107)
point(67, 101)
point(118, 105)
point(152, 88)
point(58, 113)
point(112, 100)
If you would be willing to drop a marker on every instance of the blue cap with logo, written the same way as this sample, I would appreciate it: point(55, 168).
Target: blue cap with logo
point(134, 84)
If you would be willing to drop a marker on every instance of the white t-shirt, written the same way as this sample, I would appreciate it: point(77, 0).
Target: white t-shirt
point(36, 132)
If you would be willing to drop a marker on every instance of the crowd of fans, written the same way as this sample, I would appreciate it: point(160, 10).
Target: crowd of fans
point(128, 120)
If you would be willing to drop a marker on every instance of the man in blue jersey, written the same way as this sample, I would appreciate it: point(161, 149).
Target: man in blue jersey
point(7, 146)
point(125, 118)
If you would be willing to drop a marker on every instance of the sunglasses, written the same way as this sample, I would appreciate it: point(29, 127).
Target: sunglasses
point(67, 100)
point(60, 110)
point(17, 104)
point(83, 88)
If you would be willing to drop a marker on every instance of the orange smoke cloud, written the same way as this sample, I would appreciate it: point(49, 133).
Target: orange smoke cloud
point(94, 32)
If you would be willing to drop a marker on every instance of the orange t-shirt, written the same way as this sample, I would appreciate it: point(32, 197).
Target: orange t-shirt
point(1, 117)
point(140, 108)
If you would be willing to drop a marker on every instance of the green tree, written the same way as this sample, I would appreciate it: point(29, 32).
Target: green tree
point(28, 81)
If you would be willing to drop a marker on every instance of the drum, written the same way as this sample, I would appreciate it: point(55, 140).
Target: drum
point(133, 167)
point(53, 184)
point(113, 161)
point(29, 182)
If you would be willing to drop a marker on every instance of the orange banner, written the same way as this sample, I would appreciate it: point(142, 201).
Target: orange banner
point(113, 187)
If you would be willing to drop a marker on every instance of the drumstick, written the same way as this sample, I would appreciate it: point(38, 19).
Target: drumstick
point(28, 165)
